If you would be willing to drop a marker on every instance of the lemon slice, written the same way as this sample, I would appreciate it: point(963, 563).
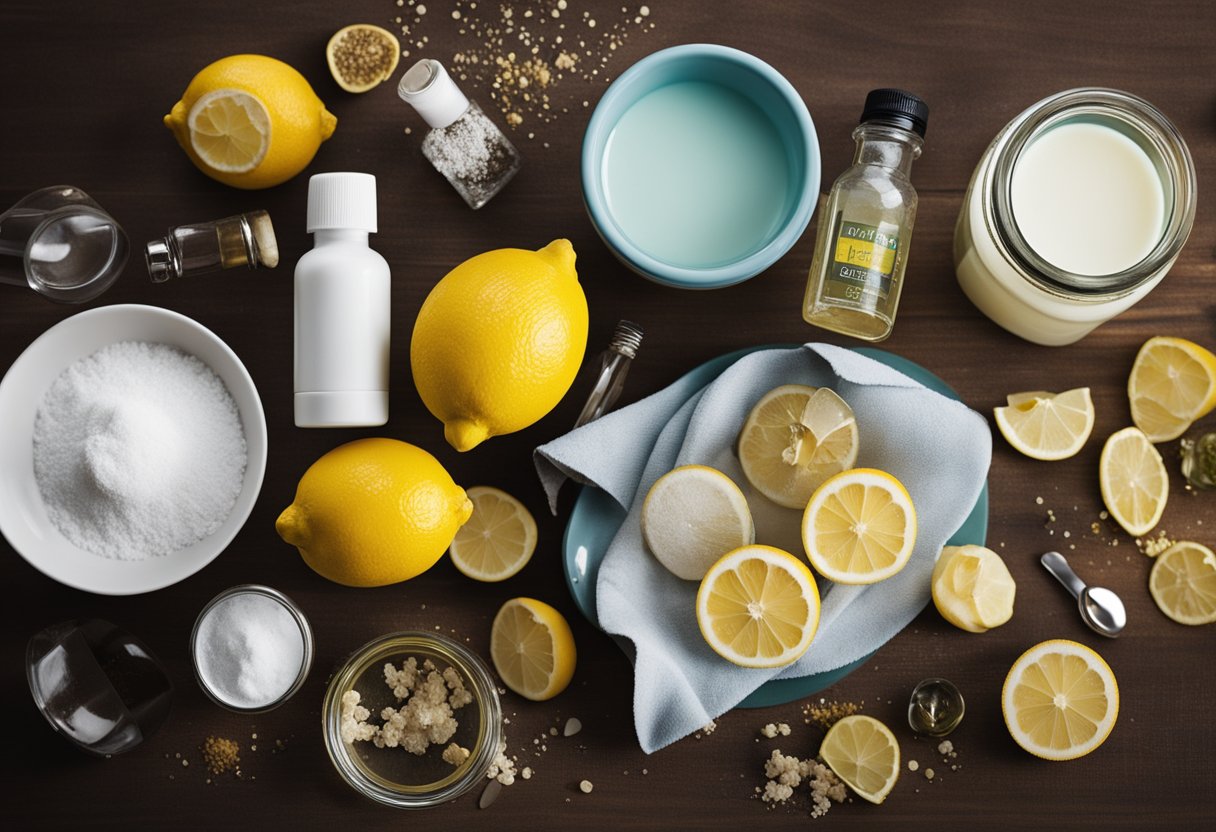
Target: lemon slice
point(1060, 700)
point(1047, 426)
point(361, 56)
point(758, 607)
point(972, 588)
point(1172, 383)
point(230, 130)
point(692, 516)
point(1183, 583)
point(497, 540)
point(532, 648)
point(1134, 483)
point(864, 754)
point(795, 438)
point(859, 527)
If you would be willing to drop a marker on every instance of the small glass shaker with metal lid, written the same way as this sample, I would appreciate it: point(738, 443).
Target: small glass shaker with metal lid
point(463, 144)
point(198, 248)
point(614, 366)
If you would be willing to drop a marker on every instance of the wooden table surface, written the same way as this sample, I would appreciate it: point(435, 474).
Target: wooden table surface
point(85, 87)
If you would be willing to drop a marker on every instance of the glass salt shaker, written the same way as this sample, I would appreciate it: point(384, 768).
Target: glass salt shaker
point(244, 240)
point(463, 144)
point(614, 366)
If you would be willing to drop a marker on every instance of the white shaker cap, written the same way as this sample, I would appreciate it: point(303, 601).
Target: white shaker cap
point(427, 87)
point(342, 201)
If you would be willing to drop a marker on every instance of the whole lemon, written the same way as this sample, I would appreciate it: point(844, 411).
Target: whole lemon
point(250, 121)
point(499, 340)
point(374, 512)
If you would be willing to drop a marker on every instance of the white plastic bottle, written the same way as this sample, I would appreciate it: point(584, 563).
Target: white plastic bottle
point(341, 309)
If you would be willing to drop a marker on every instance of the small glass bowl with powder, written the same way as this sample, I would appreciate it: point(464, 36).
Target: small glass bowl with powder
point(252, 648)
point(401, 682)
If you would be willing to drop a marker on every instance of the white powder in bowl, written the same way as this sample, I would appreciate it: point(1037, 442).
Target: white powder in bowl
point(138, 451)
point(248, 650)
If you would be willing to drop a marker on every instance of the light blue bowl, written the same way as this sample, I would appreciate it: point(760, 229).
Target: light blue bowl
point(754, 80)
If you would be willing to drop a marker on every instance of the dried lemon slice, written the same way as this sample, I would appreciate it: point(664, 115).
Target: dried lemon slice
point(1183, 583)
point(1047, 426)
point(361, 56)
point(692, 516)
point(1060, 700)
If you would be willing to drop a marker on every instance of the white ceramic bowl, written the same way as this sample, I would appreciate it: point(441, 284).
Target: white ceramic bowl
point(23, 517)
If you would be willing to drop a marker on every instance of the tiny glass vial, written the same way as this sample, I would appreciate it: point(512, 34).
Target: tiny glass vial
point(1199, 461)
point(935, 708)
point(614, 367)
point(463, 144)
point(865, 227)
point(198, 248)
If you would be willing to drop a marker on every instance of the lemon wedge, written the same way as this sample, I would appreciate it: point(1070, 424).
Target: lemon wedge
point(972, 588)
point(692, 516)
point(532, 648)
point(1047, 426)
point(758, 607)
point(1133, 480)
point(1172, 383)
point(1183, 583)
point(864, 754)
point(230, 130)
point(859, 527)
point(497, 540)
point(795, 438)
point(1060, 700)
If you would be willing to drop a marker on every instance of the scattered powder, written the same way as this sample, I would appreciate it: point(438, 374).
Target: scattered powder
point(826, 714)
point(709, 728)
point(221, 755)
point(249, 650)
point(946, 749)
point(138, 451)
point(426, 717)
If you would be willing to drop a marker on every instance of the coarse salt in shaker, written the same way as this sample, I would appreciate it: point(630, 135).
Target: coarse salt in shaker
point(463, 144)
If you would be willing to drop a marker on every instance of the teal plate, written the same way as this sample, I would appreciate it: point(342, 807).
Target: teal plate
point(597, 517)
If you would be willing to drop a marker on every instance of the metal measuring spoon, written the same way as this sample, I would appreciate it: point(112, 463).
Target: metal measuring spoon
point(1101, 609)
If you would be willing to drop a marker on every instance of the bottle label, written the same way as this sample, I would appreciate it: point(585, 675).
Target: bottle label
point(863, 260)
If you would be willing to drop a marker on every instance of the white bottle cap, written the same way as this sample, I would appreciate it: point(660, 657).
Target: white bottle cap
point(342, 201)
point(427, 87)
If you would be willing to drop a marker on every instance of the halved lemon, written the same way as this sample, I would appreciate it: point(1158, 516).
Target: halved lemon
point(1060, 700)
point(230, 130)
point(859, 527)
point(532, 648)
point(864, 754)
point(1172, 383)
point(497, 540)
point(1183, 583)
point(1047, 426)
point(972, 588)
point(758, 607)
point(1133, 480)
point(692, 516)
point(795, 438)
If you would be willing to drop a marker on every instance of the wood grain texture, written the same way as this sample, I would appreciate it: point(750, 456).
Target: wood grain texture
point(85, 87)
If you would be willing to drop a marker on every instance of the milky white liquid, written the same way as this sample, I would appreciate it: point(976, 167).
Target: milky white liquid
point(1087, 199)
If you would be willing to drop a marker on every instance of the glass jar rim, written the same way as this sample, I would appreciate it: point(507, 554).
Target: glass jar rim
point(1161, 141)
point(485, 696)
point(305, 635)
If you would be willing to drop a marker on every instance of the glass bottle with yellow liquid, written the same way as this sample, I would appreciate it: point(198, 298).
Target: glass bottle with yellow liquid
point(865, 227)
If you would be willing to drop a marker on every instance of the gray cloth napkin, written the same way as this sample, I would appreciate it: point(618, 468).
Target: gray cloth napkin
point(939, 448)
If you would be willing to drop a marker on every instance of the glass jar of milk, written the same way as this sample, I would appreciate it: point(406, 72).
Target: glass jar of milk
point(1075, 212)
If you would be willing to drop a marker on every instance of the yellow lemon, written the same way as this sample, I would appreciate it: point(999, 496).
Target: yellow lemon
point(1047, 426)
point(374, 512)
point(532, 648)
point(1060, 700)
point(1133, 480)
point(498, 341)
point(859, 527)
point(1183, 583)
point(864, 754)
point(972, 588)
point(250, 121)
point(361, 56)
point(1172, 383)
point(499, 538)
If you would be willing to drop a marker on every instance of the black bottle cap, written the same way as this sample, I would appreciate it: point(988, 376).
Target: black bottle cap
point(902, 109)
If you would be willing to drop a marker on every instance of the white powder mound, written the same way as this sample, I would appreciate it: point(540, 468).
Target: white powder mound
point(138, 451)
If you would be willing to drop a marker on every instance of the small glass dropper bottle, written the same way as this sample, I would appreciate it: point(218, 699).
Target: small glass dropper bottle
point(463, 144)
point(244, 240)
point(614, 366)
point(865, 227)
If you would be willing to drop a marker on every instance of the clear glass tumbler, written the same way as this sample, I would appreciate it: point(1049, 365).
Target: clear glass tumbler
point(59, 242)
